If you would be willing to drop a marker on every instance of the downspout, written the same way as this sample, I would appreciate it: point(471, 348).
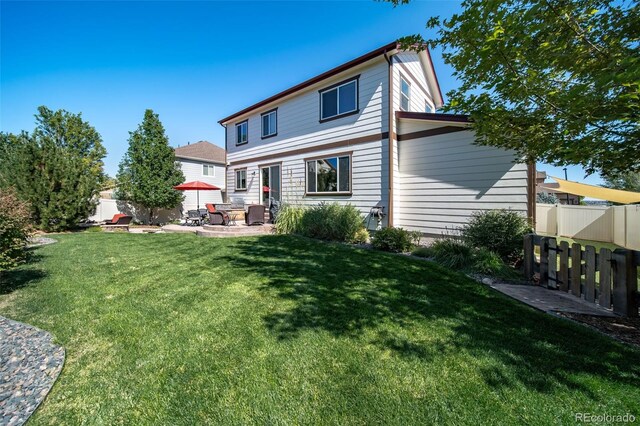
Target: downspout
point(391, 138)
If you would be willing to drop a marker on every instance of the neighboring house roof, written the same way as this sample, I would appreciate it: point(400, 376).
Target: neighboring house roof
point(202, 150)
point(389, 48)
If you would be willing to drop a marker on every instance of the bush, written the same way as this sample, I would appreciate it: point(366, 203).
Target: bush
point(499, 231)
point(289, 219)
point(361, 237)
point(326, 221)
point(487, 262)
point(423, 252)
point(332, 221)
point(457, 254)
point(452, 253)
point(395, 239)
point(15, 228)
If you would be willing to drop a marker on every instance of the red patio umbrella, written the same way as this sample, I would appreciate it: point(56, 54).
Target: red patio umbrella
point(196, 186)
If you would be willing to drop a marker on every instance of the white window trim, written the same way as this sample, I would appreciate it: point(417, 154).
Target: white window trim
point(337, 87)
point(274, 131)
point(209, 167)
point(236, 179)
point(238, 125)
point(338, 192)
point(403, 95)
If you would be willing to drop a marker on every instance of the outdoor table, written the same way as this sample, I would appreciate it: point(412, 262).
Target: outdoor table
point(232, 219)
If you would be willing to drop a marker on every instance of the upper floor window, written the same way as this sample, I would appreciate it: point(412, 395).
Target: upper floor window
point(339, 100)
point(405, 94)
point(241, 180)
point(269, 123)
point(242, 132)
point(327, 175)
point(208, 170)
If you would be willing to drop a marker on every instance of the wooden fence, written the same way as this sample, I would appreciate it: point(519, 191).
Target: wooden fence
point(608, 278)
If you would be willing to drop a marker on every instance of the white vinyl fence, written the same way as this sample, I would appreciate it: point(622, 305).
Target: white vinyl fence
point(107, 208)
point(619, 224)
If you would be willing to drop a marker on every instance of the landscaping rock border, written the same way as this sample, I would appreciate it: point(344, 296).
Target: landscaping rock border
point(30, 364)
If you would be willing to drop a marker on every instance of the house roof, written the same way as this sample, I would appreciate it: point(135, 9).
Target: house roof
point(202, 150)
point(310, 82)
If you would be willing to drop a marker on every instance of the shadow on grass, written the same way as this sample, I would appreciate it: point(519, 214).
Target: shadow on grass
point(345, 292)
point(21, 276)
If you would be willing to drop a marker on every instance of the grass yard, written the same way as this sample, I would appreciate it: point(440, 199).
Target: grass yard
point(176, 329)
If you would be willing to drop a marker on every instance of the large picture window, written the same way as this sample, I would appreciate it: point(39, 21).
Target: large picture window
point(339, 100)
point(269, 124)
point(329, 175)
point(241, 180)
point(242, 133)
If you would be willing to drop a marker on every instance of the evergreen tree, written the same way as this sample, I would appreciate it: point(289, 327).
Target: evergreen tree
point(149, 171)
point(57, 169)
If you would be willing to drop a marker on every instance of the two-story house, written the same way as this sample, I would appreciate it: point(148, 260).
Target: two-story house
point(366, 133)
point(205, 162)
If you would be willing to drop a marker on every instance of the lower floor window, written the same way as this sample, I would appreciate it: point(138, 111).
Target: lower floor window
point(332, 174)
point(241, 179)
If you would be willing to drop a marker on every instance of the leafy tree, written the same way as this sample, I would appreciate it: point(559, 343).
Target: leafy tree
point(57, 169)
point(556, 80)
point(627, 181)
point(149, 171)
point(544, 198)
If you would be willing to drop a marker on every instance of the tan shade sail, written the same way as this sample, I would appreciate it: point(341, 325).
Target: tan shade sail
point(614, 195)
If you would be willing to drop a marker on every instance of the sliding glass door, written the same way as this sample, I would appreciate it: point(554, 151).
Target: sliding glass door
point(270, 187)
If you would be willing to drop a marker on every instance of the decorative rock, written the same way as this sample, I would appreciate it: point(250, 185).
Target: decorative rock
point(30, 364)
point(487, 281)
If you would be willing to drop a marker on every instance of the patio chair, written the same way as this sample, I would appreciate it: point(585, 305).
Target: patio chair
point(217, 217)
point(118, 221)
point(193, 218)
point(254, 214)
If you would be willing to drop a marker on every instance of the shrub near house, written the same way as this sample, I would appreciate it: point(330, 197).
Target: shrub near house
point(14, 229)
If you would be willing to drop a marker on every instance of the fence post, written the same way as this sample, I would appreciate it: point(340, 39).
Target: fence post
point(529, 257)
point(576, 268)
point(544, 261)
point(604, 298)
point(553, 264)
point(564, 266)
point(590, 274)
point(625, 283)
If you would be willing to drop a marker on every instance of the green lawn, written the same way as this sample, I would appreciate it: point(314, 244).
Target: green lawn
point(176, 329)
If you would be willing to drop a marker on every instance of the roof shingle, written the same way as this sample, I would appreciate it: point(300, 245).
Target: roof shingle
point(202, 150)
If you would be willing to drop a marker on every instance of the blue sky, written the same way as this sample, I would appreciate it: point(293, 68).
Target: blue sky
point(191, 62)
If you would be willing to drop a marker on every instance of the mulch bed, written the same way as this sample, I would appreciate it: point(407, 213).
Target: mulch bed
point(624, 329)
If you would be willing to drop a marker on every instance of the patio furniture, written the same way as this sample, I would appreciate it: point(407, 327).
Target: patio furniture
point(255, 214)
point(216, 216)
point(232, 219)
point(118, 221)
point(193, 218)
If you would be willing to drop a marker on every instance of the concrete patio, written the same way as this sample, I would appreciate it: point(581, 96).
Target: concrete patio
point(220, 231)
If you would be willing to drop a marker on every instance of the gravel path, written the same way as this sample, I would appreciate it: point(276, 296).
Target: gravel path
point(29, 365)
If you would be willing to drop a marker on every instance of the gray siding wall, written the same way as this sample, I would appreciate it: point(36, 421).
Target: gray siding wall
point(192, 170)
point(299, 128)
point(443, 179)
